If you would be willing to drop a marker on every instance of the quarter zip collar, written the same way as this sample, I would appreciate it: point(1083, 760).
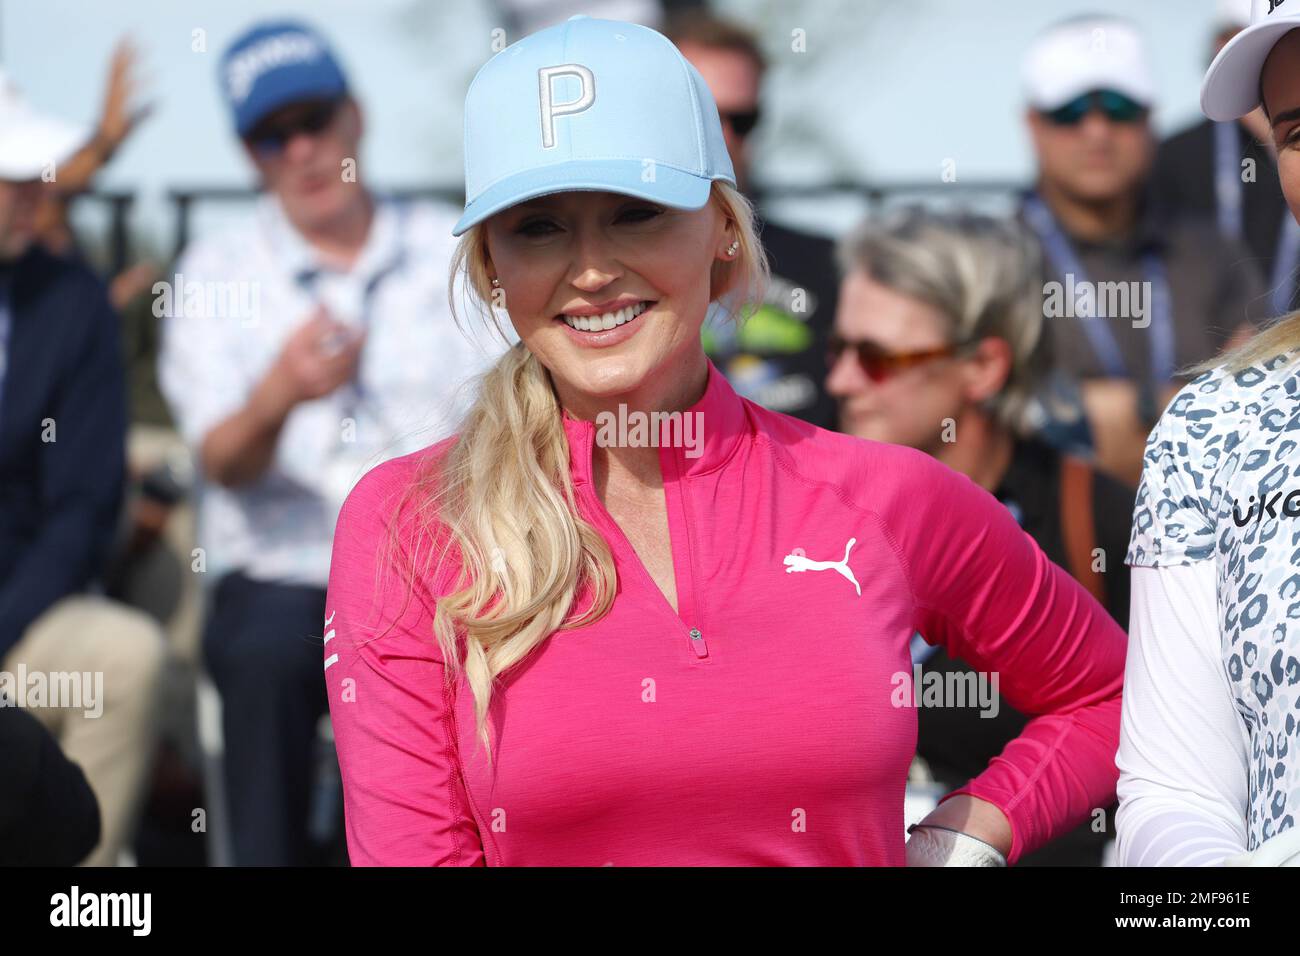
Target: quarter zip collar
point(719, 421)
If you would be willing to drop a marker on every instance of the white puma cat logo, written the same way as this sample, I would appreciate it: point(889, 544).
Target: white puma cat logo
point(797, 562)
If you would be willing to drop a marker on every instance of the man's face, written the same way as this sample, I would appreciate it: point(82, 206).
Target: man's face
point(733, 79)
point(1281, 88)
point(1096, 159)
point(18, 203)
point(306, 154)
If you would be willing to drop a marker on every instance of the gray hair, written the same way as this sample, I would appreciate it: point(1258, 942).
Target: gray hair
point(984, 275)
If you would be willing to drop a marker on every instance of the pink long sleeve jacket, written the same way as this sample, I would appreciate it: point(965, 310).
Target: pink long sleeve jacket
point(768, 720)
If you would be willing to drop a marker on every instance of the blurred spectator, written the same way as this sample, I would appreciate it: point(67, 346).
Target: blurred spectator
point(776, 356)
point(48, 813)
point(939, 344)
point(264, 368)
point(1166, 294)
point(62, 436)
point(1227, 173)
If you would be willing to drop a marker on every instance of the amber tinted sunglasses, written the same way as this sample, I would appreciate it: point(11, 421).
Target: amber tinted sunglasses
point(880, 365)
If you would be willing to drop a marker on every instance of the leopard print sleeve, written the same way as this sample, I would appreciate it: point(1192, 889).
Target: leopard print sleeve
point(1176, 511)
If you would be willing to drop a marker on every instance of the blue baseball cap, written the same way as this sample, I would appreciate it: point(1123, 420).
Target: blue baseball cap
point(590, 104)
point(275, 64)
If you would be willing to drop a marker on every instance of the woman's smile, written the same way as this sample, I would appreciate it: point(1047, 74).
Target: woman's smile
point(605, 325)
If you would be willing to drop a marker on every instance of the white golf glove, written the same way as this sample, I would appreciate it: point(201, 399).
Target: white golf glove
point(939, 846)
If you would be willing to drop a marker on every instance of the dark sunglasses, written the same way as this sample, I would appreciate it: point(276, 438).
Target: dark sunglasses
point(270, 139)
point(742, 122)
point(880, 365)
point(1116, 107)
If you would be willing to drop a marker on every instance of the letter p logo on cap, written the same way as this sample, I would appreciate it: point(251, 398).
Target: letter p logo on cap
point(654, 108)
point(550, 109)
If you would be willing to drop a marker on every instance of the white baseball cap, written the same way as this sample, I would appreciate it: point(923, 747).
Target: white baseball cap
point(1087, 54)
point(1231, 87)
point(30, 142)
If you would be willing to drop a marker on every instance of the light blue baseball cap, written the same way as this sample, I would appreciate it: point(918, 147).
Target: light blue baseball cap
point(590, 104)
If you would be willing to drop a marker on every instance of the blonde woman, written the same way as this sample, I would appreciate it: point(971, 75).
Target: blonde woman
point(1210, 772)
point(597, 641)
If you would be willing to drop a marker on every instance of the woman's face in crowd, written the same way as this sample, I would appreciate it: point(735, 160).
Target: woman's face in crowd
point(1281, 88)
point(608, 291)
point(909, 407)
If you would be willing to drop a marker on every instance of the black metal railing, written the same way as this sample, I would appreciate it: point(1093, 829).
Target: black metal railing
point(184, 200)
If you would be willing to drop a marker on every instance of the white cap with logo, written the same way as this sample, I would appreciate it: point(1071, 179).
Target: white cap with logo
point(1087, 54)
point(1231, 87)
point(30, 142)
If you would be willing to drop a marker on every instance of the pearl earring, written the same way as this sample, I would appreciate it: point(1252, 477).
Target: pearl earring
point(496, 283)
point(733, 248)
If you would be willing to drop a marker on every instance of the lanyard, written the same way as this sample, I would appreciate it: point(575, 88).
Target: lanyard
point(307, 280)
point(1061, 254)
point(1228, 195)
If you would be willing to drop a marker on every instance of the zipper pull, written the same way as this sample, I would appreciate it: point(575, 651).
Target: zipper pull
point(697, 642)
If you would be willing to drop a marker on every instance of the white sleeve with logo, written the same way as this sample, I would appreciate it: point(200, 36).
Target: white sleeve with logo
point(1183, 749)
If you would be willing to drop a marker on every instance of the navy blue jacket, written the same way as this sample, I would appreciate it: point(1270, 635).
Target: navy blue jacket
point(59, 500)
